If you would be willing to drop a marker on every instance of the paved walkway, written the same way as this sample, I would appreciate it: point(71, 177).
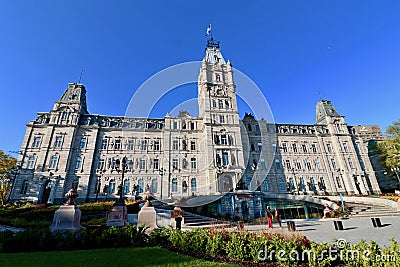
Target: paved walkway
point(9, 228)
point(355, 229)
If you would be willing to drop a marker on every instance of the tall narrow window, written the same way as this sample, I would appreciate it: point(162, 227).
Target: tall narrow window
point(31, 162)
point(101, 164)
point(111, 187)
point(266, 185)
point(157, 145)
point(36, 142)
point(298, 164)
point(339, 184)
point(175, 125)
point(143, 145)
point(333, 163)
point(131, 144)
point(318, 164)
point(304, 148)
point(308, 164)
point(281, 183)
point(142, 164)
point(192, 145)
point(53, 162)
point(117, 144)
point(220, 104)
point(277, 164)
point(329, 147)
point(156, 164)
point(175, 144)
point(140, 187)
point(350, 163)
point(174, 185)
point(193, 185)
point(79, 161)
point(154, 185)
point(284, 147)
point(362, 164)
point(221, 119)
point(313, 148)
point(175, 163)
point(24, 187)
point(224, 141)
point(259, 144)
point(288, 164)
point(127, 185)
point(82, 143)
point(345, 147)
point(58, 142)
point(225, 159)
point(294, 147)
point(193, 163)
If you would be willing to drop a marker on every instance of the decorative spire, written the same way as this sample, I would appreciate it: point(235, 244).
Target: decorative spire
point(325, 109)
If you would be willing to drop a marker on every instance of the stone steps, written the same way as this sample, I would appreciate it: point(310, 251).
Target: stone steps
point(370, 210)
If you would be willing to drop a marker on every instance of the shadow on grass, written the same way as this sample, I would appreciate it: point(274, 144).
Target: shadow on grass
point(153, 256)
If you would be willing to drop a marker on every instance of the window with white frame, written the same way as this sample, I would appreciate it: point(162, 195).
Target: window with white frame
point(318, 164)
point(104, 143)
point(294, 147)
point(175, 144)
point(142, 164)
point(53, 162)
point(143, 145)
point(24, 187)
point(193, 184)
point(193, 162)
point(350, 163)
point(36, 142)
point(79, 161)
point(82, 143)
point(277, 164)
point(58, 142)
point(31, 162)
point(345, 147)
point(298, 164)
point(304, 148)
point(157, 145)
point(100, 166)
point(156, 164)
point(308, 164)
point(192, 145)
point(333, 163)
point(131, 144)
point(175, 163)
point(329, 147)
point(313, 148)
point(174, 185)
point(221, 119)
point(117, 144)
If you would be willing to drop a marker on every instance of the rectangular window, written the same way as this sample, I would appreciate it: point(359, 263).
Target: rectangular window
point(82, 143)
point(175, 163)
point(117, 144)
point(282, 185)
point(193, 163)
point(345, 147)
point(79, 161)
point(313, 148)
point(350, 163)
point(318, 164)
point(192, 145)
point(58, 142)
point(175, 125)
point(31, 162)
point(362, 164)
point(220, 104)
point(284, 147)
point(142, 164)
point(333, 163)
point(131, 144)
point(192, 126)
point(100, 166)
point(225, 159)
point(36, 142)
point(221, 119)
point(339, 184)
point(329, 146)
point(224, 141)
point(298, 164)
point(157, 145)
point(304, 148)
point(308, 164)
point(294, 147)
point(53, 162)
point(175, 144)
point(143, 145)
point(104, 143)
point(288, 164)
point(156, 164)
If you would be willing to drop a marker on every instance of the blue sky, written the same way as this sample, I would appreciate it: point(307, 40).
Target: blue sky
point(348, 50)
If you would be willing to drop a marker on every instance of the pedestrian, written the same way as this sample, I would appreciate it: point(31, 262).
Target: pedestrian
point(278, 217)
point(268, 215)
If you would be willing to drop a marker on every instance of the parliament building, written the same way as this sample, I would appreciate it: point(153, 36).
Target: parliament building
point(238, 162)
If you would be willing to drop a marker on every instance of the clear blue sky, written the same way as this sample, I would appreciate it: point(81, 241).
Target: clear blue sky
point(349, 50)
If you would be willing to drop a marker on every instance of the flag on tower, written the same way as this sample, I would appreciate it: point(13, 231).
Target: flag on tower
point(208, 30)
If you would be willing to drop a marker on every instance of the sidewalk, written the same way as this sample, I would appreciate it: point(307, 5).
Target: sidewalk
point(355, 229)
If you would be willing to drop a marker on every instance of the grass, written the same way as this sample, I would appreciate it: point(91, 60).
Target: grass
point(150, 256)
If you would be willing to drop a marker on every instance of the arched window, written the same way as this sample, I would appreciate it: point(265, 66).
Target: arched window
point(174, 185)
point(111, 187)
point(127, 185)
point(154, 185)
point(140, 186)
point(193, 184)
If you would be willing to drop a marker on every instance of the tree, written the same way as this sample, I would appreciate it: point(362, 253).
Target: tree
point(389, 149)
point(7, 167)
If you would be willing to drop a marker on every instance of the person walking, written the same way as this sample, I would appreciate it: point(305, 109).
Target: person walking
point(278, 217)
point(268, 215)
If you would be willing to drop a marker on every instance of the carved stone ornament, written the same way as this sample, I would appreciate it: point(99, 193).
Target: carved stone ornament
point(71, 195)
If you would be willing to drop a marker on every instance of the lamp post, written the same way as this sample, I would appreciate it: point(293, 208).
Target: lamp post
point(341, 178)
point(161, 171)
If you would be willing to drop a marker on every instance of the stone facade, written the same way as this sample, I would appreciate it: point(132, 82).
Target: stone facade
point(183, 156)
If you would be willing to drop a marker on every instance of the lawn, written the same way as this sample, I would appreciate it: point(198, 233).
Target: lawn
point(152, 256)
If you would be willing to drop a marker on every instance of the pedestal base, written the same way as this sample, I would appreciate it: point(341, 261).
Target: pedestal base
point(147, 216)
point(67, 218)
point(117, 217)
